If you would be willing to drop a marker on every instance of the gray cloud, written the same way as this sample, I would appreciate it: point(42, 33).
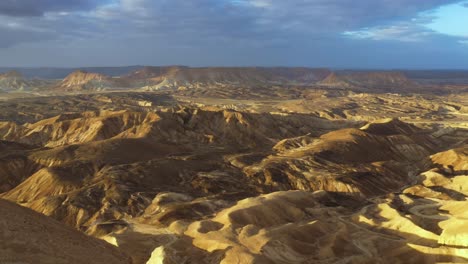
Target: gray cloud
point(338, 14)
point(220, 19)
point(11, 37)
point(257, 20)
point(39, 7)
point(260, 28)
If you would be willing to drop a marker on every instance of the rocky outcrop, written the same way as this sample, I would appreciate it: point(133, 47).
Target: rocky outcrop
point(86, 81)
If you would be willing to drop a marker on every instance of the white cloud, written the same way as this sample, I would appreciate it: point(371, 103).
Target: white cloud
point(400, 32)
point(261, 3)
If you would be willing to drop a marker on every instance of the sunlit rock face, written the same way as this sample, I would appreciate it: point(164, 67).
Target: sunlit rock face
point(88, 81)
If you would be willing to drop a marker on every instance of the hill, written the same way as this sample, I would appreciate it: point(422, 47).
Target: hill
point(30, 237)
point(14, 81)
point(86, 81)
point(179, 76)
point(378, 81)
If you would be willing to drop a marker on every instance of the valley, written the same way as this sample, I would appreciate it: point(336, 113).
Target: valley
point(234, 165)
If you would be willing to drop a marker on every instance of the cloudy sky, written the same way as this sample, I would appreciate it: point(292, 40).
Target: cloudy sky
point(326, 33)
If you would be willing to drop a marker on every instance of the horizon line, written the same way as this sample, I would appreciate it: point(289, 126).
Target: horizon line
point(238, 66)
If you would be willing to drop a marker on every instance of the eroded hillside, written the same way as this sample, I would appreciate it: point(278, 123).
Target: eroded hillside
point(234, 165)
point(206, 184)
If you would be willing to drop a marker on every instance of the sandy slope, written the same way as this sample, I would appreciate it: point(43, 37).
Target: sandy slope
point(29, 237)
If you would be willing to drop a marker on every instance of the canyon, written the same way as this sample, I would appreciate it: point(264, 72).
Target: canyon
point(233, 165)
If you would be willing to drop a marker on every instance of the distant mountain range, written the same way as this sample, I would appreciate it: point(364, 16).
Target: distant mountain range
point(170, 77)
point(369, 80)
point(151, 78)
point(61, 73)
point(14, 81)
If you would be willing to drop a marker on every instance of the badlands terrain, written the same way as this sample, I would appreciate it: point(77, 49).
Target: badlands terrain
point(233, 165)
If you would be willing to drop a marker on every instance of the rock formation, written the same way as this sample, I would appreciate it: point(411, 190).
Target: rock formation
point(86, 81)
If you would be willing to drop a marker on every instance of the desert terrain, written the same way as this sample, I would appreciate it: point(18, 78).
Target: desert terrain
point(246, 165)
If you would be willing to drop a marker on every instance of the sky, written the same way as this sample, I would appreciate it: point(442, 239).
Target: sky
point(388, 34)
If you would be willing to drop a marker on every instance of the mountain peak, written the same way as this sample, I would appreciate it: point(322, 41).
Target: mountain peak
point(11, 74)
